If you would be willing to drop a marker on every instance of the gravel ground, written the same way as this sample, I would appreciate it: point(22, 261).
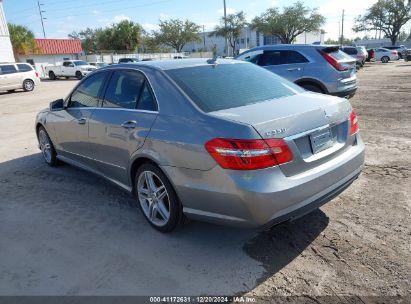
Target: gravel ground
point(66, 232)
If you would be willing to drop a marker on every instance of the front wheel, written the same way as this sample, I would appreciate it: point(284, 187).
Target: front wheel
point(385, 59)
point(79, 75)
point(46, 147)
point(157, 198)
point(28, 85)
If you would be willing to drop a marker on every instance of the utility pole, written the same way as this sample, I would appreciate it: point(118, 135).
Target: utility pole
point(342, 28)
point(225, 27)
point(41, 17)
point(339, 31)
point(204, 43)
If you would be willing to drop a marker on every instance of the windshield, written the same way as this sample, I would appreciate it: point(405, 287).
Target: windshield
point(80, 62)
point(224, 86)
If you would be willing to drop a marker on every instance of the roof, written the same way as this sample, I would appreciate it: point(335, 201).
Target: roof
point(177, 63)
point(58, 46)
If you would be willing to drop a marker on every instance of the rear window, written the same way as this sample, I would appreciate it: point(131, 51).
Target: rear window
point(350, 51)
point(24, 67)
point(337, 53)
point(224, 86)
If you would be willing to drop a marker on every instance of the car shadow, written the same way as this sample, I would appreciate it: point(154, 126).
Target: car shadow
point(80, 235)
point(13, 92)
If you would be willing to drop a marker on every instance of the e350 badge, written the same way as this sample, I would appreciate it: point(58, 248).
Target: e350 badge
point(275, 132)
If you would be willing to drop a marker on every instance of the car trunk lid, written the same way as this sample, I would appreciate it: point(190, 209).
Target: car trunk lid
point(315, 126)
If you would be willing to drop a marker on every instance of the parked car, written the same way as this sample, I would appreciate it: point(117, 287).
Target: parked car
point(318, 68)
point(128, 60)
point(69, 68)
point(363, 51)
point(15, 76)
point(98, 64)
point(382, 54)
point(354, 53)
point(401, 49)
point(217, 140)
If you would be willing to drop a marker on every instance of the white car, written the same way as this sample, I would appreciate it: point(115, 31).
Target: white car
point(70, 68)
point(385, 55)
point(15, 76)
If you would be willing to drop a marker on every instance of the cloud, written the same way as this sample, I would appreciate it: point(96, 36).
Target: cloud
point(119, 18)
point(229, 10)
point(150, 27)
point(96, 12)
point(164, 16)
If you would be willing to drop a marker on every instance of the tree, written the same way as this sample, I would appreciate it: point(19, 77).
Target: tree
point(388, 16)
point(123, 36)
point(230, 27)
point(22, 40)
point(177, 33)
point(150, 44)
point(293, 21)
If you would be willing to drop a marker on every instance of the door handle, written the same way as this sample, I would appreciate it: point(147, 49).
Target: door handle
point(81, 121)
point(293, 69)
point(130, 124)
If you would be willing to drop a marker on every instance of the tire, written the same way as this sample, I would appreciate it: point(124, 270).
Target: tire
point(67, 77)
point(79, 75)
point(157, 198)
point(28, 85)
point(312, 88)
point(52, 76)
point(385, 59)
point(47, 147)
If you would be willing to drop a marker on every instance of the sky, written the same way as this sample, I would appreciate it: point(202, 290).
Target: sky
point(66, 16)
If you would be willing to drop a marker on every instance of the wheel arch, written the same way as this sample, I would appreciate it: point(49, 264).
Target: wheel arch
point(312, 81)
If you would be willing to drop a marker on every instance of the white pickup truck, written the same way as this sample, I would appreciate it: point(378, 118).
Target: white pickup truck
point(69, 68)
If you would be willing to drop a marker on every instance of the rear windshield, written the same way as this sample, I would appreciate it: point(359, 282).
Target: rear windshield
point(224, 86)
point(350, 51)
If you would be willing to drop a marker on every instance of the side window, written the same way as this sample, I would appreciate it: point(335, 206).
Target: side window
point(67, 63)
point(8, 69)
point(271, 58)
point(86, 94)
point(295, 57)
point(146, 100)
point(123, 90)
point(24, 67)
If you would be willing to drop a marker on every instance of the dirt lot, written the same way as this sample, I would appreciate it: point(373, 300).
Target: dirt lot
point(64, 231)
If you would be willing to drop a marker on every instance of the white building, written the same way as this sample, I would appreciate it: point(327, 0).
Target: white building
point(248, 39)
point(6, 50)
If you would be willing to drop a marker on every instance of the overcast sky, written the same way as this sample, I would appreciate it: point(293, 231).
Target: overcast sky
point(64, 16)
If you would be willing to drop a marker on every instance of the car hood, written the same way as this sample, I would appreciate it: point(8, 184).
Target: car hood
point(291, 115)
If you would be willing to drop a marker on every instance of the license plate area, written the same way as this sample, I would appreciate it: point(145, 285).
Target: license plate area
point(321, 140)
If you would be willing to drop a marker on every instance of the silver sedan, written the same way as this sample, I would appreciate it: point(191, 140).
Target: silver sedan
point(216, 140)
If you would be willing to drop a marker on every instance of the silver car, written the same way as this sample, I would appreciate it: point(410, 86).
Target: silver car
point(318, 68)
point(223, 141)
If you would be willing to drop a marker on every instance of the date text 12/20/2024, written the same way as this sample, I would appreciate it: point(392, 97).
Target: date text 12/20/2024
point(203, 299)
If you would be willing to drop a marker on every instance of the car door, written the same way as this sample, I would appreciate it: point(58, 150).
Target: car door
point(65, 68)
point(119, 127)
point(288, 64)
point(9, 77)
point(71, 125)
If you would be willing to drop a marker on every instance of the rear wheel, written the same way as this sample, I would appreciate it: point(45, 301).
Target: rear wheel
point(46, 147)
point(79, 75)
point(385, 59)
point(312, 88)
point(157, 198)
point(52, 76)
point(28, 85)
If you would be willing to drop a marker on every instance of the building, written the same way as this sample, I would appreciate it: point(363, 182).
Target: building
point(6, 50)
point(52, 52)
point(248, 39)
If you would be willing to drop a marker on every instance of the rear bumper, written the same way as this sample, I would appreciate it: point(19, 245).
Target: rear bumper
point(262, 198)
point(347, 93)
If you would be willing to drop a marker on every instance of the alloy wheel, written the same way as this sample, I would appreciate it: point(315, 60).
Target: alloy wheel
point(154, 198)
point(45, 146)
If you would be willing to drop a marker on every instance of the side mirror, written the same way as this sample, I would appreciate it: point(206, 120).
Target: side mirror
point(57, 105)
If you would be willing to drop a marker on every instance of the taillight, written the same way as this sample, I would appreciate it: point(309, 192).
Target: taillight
point(394, 52)
point(241, 154)
point(37, 74)
point(334, 62)
point(354, 128)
